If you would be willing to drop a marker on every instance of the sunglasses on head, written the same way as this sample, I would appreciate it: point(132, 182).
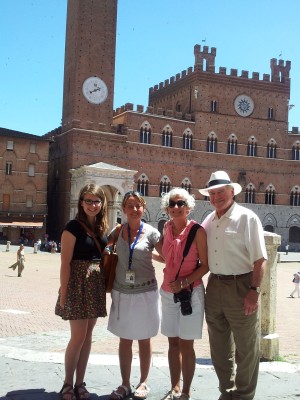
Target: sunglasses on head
point(132, 193)
point(178, 203)
point(89, 202)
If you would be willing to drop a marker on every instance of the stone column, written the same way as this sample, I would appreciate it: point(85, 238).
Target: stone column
point(269, 337)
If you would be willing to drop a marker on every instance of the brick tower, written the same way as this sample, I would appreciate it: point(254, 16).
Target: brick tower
point(89, 64)
point(87, 100)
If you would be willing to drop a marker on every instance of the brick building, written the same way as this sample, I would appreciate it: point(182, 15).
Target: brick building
point(196, 122)
point(23, 189)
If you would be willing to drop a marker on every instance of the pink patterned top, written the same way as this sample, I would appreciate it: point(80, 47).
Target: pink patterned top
point(173, 251)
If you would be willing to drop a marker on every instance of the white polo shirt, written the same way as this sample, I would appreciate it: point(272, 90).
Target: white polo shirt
point(235, 241)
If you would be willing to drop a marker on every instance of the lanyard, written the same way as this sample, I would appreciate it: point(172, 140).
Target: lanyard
point(131, 247)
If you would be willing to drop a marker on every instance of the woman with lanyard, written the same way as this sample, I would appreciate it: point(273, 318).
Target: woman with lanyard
point(134, 313)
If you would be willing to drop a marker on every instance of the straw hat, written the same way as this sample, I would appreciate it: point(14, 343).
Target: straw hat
point(219, 179)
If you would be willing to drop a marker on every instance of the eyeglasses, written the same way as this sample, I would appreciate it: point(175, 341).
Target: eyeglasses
point(89, 202)
point(179, 203)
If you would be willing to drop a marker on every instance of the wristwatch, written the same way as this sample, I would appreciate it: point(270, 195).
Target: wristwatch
point(256, 288)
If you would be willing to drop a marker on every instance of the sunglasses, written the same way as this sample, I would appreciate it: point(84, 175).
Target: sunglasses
point(89, 202)
point(179, 203)
point(132, 193)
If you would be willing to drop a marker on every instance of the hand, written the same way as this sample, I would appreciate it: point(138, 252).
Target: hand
point(175, 286)
point(251, 302)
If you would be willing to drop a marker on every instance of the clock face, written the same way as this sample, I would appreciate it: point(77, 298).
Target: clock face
point(95, 90)
point(244, 105)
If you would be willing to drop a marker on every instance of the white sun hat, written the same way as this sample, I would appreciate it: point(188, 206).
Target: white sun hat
point(219, 179)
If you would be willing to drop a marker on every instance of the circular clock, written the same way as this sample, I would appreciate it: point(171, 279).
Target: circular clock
point(95, 90)
point(244, 105)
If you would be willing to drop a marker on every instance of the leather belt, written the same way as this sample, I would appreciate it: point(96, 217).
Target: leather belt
point(227, 277)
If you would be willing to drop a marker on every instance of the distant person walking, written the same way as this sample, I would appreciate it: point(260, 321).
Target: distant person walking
point(296, 281)
point(20, 260)
point(287, 249)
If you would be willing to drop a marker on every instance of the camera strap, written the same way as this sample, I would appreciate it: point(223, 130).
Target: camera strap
point(189, 241)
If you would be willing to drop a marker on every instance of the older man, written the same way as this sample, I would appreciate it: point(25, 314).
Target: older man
point(237, 258)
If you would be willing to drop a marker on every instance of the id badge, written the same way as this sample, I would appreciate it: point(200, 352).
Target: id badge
point(130, 276)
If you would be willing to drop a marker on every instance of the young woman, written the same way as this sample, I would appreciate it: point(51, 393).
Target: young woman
point(181, 329)
point(82, 296)
point(134, 313)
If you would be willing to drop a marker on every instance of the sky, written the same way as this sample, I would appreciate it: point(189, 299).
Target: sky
point(155, 40)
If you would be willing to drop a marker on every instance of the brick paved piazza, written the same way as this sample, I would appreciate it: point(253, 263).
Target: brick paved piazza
point(27, 307)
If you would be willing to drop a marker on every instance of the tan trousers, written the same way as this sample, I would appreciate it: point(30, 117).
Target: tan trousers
point(234, 338)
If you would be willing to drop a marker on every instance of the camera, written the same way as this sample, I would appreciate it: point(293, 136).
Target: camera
point(184, 297)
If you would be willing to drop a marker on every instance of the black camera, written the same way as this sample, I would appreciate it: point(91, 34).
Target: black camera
point(184, 297)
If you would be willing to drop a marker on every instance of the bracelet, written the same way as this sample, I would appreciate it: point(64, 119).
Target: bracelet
point(181, 285)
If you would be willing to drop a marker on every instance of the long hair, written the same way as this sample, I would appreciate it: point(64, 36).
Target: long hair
point(101, 217)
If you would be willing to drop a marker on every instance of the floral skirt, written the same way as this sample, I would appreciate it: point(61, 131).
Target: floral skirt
point(86, 295)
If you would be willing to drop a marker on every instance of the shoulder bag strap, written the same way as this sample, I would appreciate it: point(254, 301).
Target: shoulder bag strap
point(92, 234)
point(116, 236)
point(189, 241)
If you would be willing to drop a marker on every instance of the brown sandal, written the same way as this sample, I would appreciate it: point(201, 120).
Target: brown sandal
point(67, 392)
point(80, 392)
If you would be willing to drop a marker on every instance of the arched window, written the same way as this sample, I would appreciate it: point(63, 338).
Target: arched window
point(187, 139)
point(142, 184)
point(165, 185)
point(269, 228)
point(252, 147)
point(270, 195)
point(213, 106)
point(295, 196)
point(212, 143)
point(270, 113)
point(250, 194)
point(296, 151)
point(145, 133)
point(186, 184)
point(232, 144)
point(271, 149)
point(294, 234)
point(167, 136)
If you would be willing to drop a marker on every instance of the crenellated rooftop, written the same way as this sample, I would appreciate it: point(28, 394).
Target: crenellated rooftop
point(205, 62)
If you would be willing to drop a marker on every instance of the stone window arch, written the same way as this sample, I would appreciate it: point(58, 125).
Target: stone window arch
point(271, 148)
point(212, 143)
point(143, 184)
point(270, 194)
point(296, 151)
point(165, 185)
point(187, 139)
point(232, 144)
point(295, 196)
point(167, 136)
point(252, 147)
point(186, 184)
point(145, 133)
point(250, 193)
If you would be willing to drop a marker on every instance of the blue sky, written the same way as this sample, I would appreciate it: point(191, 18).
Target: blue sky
point(155, 40)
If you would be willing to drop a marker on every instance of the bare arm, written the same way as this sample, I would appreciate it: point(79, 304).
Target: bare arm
point(67, 247)
point(251, 299)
